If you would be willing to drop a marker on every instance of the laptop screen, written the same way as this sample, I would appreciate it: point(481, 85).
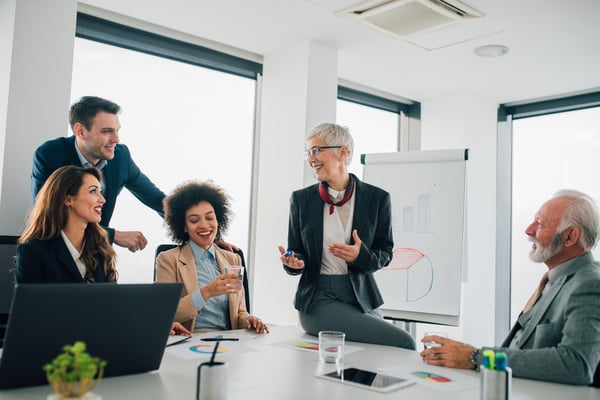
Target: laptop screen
point(125, 324)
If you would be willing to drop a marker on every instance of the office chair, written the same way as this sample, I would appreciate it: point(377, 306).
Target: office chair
point(8, 250)
point(168, 246)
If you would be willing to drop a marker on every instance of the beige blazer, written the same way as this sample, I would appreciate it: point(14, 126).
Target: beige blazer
point(177, 265)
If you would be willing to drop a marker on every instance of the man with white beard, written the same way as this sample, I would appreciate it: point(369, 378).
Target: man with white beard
point(557, 336)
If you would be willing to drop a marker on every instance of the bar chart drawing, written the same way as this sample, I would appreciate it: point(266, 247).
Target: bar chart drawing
point(417, 218)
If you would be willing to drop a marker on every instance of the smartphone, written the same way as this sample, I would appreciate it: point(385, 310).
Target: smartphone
point(368, 379)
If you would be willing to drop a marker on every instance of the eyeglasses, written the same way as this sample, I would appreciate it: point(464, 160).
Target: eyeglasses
point(314, 151)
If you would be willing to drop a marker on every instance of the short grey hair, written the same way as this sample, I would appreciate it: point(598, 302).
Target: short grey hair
point(334, 135)
point(581, 213)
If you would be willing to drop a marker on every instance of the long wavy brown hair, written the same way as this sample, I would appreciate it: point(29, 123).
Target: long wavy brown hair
point(49, 216)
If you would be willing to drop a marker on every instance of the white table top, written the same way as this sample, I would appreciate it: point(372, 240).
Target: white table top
point(267, 367)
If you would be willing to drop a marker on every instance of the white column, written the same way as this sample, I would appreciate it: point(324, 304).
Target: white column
point(36, 49)
point(470, 122)
point(299, 91)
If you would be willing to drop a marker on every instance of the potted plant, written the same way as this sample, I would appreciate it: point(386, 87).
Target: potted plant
point(74, 373)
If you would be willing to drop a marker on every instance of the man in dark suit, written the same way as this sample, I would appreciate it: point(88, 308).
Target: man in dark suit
point(557, 336)
point(95, 142)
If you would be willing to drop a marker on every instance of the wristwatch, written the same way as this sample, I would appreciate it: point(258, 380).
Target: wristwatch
point(475, 359)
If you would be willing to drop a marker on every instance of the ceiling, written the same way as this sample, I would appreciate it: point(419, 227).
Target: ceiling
point(554, 45)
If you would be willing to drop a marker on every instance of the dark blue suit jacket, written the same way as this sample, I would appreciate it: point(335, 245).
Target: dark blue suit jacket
point(373, 222)
point(49, 261)
point(119, 172)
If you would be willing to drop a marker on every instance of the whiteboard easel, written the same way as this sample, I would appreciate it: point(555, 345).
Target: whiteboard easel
point(423, 282)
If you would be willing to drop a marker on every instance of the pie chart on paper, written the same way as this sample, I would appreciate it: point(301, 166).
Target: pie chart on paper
point(430, 377)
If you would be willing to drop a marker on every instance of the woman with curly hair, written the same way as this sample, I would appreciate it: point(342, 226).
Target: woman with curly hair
point(197, 213)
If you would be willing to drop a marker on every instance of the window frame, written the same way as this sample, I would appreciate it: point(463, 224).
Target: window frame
point(409, 127)
point(506, 114)
point(115, 34)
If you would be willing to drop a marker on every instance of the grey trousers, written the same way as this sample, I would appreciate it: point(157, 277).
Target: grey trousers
point(334, 307)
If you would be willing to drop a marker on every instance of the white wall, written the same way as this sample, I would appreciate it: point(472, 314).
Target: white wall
point(299, 91)
point(7, 19)
point(470, 122)
point(37, 58)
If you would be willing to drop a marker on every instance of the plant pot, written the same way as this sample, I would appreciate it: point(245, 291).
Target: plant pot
point(87, 396)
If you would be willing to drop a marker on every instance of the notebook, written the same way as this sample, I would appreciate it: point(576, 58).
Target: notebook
point(125, 324)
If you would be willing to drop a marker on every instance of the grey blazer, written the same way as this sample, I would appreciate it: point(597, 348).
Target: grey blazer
point(561, 341)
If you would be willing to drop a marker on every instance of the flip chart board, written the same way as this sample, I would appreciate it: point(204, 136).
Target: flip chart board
point(427, 188)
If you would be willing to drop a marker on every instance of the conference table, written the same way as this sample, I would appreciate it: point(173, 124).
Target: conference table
point(281, 365)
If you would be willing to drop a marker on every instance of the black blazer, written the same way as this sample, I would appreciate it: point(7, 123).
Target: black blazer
point(49, 261)
point(373, 222)
point(118, 173)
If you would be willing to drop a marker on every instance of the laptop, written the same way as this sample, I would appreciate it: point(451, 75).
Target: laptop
point(125, 324)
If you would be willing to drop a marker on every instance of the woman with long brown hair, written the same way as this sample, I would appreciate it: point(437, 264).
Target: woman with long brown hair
point(63, 241)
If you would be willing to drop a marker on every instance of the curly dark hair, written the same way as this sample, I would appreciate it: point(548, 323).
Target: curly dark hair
point(188, 194)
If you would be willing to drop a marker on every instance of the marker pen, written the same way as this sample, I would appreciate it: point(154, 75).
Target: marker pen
point(501, 363)
point(488, 359)
point(495, 380)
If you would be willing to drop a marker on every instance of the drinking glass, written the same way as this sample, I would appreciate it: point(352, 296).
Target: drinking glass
point(331, 347)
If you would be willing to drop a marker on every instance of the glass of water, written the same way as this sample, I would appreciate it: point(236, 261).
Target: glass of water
point(331, 347)
point(431, 344)
point(238, 270)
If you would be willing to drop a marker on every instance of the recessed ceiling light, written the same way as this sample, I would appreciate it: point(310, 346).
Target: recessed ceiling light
point(491, 50)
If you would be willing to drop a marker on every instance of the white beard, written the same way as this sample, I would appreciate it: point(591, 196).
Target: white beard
point(542, 254)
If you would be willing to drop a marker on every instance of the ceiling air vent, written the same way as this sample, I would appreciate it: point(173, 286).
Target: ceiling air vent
point(402, 18)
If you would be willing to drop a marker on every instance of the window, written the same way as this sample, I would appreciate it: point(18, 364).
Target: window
point(374, 122)
point(175, 115)
point(373, 130)
point(542, 147)
point(550, 152)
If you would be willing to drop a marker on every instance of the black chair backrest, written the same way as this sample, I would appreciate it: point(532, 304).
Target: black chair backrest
point(168, 246)
point(8, 250)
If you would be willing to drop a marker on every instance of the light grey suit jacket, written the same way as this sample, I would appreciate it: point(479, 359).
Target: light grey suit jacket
point(561, 340)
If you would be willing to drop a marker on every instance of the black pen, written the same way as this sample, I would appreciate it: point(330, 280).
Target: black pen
point(214, 339)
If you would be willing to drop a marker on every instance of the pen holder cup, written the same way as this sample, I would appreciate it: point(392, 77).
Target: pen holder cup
point(495, 384)
point(211, 381)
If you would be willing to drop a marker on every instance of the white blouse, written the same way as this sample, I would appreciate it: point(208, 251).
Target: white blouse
point(337, 228)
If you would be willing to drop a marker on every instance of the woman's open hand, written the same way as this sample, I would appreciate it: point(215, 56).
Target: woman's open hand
point(290, 261)
point(347, 252)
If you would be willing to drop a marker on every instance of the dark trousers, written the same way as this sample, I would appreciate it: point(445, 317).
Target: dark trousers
point(334, 307)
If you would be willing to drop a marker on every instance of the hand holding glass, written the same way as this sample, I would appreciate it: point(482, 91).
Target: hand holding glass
point(238, 270)
point(431, 344)
point(331, 347)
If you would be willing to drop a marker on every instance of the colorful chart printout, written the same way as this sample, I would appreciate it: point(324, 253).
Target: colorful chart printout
point(206, 348)
point(430, 377)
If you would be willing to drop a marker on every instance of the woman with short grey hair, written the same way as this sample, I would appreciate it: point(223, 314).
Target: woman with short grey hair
point(339, 235)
